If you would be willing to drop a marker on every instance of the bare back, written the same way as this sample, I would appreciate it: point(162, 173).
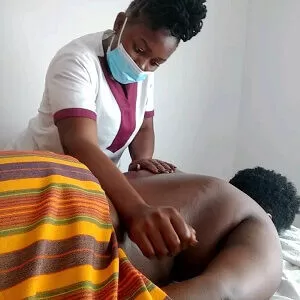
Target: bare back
point(214, 211)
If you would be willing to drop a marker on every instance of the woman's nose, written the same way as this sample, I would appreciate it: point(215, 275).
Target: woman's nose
point(142, 63)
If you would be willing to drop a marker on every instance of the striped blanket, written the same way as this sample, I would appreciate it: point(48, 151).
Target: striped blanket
point(56, 236)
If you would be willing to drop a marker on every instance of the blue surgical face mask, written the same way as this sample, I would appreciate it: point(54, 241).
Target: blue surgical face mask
point(122, 66)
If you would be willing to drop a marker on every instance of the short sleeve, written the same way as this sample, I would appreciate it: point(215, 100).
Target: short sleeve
point(69, 87)
point(149, 113)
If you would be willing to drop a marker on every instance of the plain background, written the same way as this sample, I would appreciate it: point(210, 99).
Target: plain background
point(226, 100)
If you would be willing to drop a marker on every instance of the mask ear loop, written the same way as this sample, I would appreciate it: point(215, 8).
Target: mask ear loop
point(121, 33)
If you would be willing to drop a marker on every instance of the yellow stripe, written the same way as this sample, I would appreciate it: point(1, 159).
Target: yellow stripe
point(35, 159)
point(39, 183)
point(42, 283)
point(122, 254)
point(157, 294)
point(53, 233)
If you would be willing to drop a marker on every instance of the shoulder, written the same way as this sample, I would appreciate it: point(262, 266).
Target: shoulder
point(79, 55)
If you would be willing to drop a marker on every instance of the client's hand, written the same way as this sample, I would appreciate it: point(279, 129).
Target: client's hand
point(153, 165)
point(159, 231)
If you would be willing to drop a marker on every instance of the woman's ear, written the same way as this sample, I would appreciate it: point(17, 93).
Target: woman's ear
point(119, 22)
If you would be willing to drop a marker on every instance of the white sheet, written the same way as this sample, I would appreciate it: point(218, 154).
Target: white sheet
point(290, 284)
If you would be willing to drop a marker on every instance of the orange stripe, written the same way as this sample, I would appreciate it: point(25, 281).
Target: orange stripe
point(101, 204)
point(5, 223)
point(53, 194)
point(37, 208)
point(134, 278)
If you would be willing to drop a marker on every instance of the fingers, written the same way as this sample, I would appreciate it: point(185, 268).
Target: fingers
point(132, 167)
point(161, 231)
point(168, 168)
point(144, 165)
point(162, 236)
point(150, 166)
point(158, 243)
point(186, 234)
point(144, 244)
point(171, 238)
point(153, 165)
point(159, 166)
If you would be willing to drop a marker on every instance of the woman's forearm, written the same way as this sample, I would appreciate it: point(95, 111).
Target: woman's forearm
point(142, 147)
point(122, 194)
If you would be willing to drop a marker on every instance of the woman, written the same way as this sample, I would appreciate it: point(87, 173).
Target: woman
point(98, 101)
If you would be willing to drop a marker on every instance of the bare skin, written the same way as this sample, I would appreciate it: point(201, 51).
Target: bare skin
point(238, 255)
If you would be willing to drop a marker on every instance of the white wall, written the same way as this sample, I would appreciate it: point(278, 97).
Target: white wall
point(196, 116)
point(269, 125)
point(31, 32)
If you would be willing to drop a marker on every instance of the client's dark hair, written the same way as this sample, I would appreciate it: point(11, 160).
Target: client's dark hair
point(272, 191)
point(183, 18)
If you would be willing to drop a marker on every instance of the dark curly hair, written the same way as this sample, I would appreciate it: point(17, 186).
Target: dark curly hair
point(183, 18)
point(272, 191)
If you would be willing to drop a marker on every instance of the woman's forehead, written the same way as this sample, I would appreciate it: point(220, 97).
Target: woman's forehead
point(158, 41)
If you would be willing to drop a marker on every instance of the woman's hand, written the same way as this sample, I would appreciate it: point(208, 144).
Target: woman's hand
point(159, 232)
point(153, 165)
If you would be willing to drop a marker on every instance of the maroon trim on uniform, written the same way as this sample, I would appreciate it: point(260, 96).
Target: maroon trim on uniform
point(149, 114)
point(73, 113)
point(126, 96)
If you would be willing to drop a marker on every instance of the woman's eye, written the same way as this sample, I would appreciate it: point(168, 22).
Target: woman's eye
point(139, 50)
point(155, 64)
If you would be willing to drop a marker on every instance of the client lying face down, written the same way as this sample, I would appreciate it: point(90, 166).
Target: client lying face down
point(238, 255)
point(197, 195)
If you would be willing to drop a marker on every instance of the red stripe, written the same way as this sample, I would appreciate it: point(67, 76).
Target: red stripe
point(68, 194)
point(132, 280)
point(56, 213)
point(74, 113)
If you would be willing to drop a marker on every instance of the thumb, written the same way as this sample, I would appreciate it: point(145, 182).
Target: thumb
point(134, 167)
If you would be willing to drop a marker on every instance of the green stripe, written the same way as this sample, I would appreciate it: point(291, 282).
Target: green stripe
point(48, 187)
point(49, 220)
point(75, 287)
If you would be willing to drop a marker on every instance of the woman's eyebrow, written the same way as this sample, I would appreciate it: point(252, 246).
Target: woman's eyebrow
point(150, 50)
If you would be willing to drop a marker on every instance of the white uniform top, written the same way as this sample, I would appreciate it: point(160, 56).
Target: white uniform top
point(78, 85)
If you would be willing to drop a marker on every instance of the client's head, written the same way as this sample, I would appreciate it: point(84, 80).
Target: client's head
point(272, 191)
